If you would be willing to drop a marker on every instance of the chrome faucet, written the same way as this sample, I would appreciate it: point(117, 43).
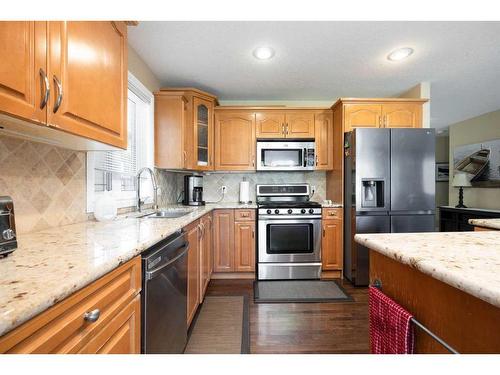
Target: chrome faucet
point(155, 189)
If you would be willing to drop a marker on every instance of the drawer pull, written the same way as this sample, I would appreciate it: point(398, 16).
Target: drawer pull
point(92, 316)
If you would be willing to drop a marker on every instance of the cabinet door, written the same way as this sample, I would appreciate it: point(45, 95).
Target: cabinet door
point(235, 141)
point(23, 69)
point(331, 245)
point(193, 291)
point(244, 246)
point(323, 128)
point(88, 77)
point(402, 115)
point(223, 241)
point(203, 134)
point(299, 124)
point(206, 254)
point(362, 116)
point(270, 124)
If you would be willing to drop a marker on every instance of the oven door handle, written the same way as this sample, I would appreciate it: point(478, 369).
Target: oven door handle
point(304, 157)
point(290, 220)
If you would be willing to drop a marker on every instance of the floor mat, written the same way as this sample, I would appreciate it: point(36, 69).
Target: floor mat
point(286, 291)
point(221, 327)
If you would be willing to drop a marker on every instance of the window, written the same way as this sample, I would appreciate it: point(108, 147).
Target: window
point(115, 171)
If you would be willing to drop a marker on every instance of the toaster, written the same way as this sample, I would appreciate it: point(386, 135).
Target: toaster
point(8, 239)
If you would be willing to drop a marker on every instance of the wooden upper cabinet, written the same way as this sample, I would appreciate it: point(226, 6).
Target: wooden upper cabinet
point(184, 129)
point(235, 141)
point(299, 124)
point(170, 114)
point(88, 75)
point(362, 116)
point(23, 70)
point(323, 128)
point(402, 115)
point(203, 112)
point(270, 124)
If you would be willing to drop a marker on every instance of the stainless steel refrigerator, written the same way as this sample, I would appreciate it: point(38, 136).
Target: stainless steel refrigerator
point(389, 187)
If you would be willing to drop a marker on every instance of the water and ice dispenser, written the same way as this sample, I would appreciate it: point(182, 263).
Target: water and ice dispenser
point(372, 193)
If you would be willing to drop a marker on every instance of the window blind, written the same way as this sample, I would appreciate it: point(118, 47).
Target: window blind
point(123, 162)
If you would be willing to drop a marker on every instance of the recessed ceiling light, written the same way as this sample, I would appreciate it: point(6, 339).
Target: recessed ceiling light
point(400, 54)
point(263, 53)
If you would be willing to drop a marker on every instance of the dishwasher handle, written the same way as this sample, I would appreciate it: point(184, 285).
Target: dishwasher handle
point(151, 274)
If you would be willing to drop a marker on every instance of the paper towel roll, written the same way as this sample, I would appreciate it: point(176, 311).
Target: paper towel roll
point(244, 191)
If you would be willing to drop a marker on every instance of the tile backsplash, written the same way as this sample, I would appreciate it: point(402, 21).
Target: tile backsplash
point(47, 183)
point(172, 184)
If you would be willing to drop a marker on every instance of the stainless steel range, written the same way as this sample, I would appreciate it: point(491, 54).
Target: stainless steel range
point(289, 233)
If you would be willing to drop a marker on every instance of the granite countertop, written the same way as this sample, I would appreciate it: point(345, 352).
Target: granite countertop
point(469, 261)
point(52, 264)
point(486, 223)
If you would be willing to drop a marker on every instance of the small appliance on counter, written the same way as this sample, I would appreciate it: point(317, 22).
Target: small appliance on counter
point(8, 239)
point(244, 191)
point(193, 191)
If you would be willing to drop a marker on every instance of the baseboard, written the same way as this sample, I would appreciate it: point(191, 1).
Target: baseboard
point(233, 275)
point(326, 275)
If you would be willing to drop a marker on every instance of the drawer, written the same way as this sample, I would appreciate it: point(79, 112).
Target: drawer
point(63, 329)
point(332, 213)
point(122, 335)
point(244, 215)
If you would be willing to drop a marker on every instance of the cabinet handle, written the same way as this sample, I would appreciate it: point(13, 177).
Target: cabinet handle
point(283, 128)
point(323, 231)
point(57, 104)
point(253, 233)
point(287, 128)
point(316, 159)
point(379, 121)
point(92, 316)
point(45, 97)
point(385, 121)
point(253, 160)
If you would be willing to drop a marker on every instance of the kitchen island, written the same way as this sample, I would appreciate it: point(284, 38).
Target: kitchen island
point(450, 282)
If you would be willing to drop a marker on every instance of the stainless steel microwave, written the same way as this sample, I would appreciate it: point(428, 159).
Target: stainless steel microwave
point(286, 156)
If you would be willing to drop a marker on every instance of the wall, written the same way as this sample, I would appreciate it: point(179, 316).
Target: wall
point(47, 183)
point(141, 71)
point(478, 129)
point(421, 91)
point(172, 184)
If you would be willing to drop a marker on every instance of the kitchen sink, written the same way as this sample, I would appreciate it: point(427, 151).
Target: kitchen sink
point(173, 214)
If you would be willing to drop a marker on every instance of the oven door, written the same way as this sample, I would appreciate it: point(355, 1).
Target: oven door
point(289, 240)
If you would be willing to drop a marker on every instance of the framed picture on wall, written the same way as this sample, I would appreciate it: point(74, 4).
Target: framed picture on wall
point(442, 172)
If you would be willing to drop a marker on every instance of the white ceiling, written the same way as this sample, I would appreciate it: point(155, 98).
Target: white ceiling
point(320, 61)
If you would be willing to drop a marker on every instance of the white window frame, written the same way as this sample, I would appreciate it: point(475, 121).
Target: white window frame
point(145, 152)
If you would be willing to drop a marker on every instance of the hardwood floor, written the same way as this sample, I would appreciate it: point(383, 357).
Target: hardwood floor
point(340, 327)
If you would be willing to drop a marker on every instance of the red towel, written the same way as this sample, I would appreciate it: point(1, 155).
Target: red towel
point(390, 328)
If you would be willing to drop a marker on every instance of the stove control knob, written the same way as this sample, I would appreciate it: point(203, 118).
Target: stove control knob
point(311, 210)
point(276, 211)
point(290, 211)
point(303, 211)
point(269, 212)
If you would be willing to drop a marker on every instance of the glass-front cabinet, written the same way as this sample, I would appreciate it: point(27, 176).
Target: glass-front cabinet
point(203, 134)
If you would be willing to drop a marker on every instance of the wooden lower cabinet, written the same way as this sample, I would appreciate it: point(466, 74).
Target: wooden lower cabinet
point(205, 253)
point(193, 271)
point(332, 242)
point(234, 242)
point(63, 328)
point(244, 246)
point(224, 241)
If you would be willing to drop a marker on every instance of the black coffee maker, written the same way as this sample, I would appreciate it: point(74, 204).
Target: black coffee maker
point(193, 191)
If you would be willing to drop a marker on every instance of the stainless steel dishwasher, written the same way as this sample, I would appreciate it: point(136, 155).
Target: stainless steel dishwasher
point(164, 296)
